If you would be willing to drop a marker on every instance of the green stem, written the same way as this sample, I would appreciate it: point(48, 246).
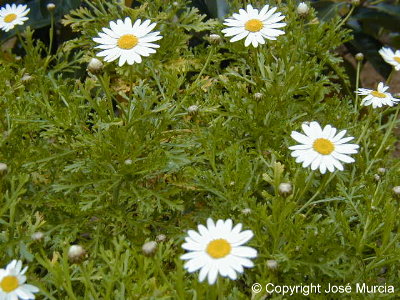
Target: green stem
point(308, 181)
point(367, 223)
point(388, 133)
point(376, 2)
point(325, 182)
point(345, 18)
point(108, 94)
point(220, 289)
point(51, 35)
point(357, 86)
point(21, 41)
point(51, 31)
point(366, 126)
point(389, 79)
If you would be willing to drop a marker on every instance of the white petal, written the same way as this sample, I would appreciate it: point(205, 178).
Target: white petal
point(301, 138)
point(193, 246)
point(191, 255)
point(322, 166)
point(239, 36)
point(241, 238)
point(194, 235)
point(309, 158)
point(195, 264)
point(244, 251)
point(204, 271)
point(212, 275)
point(316, 162)
point(342, 157)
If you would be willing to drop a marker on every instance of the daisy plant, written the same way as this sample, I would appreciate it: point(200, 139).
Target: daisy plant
point(256, 26)
point(12, 15)
point(12, 283)
point(391, 57)
point(322, 148)
point(127, 41)
point(218, 249)
point(378, 97)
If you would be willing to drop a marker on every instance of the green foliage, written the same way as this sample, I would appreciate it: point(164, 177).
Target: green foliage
point(110, 161)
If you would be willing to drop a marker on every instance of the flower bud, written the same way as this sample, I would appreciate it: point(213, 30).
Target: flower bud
point(377, 177)
point(303, 9)
point(246, 211)
point(285, 189)
point(37, 236)
point(161, 238)
point(76, 253)
point(128, 162)
point(355, 2)
point(51, 7)
point(95, 66)
point(396, 191)
point(26, 78)
point(359, 56)
point(381, 171)
point(149, 248)
point(258, 96)
point(272, 264)
point(3, 168)
point(215, 38)
point(193, 109)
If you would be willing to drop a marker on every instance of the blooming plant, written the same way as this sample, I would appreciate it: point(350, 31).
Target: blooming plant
point(378, 97)
point(254, 25)
point(127, 41)
point(12, 15)
point(322, 148)
point(125, 124)
point(217, 249)
point(12, 282)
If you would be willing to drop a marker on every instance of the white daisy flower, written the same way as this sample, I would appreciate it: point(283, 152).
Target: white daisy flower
point(255, 26)
point(218, 248)
point(322, 148)
point(127, 42)
point(12, 283)
point(377, 98)
point(12, 15)
point(392, 58)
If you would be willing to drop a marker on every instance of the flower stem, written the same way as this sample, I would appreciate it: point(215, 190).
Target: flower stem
point(388, 133)
point(21, 41)
point(324, 183)
point(366, 126)
point(51, 36)
point(389, 79)
point(51, 33)
point(346, 18)
point(108, 94)
point(357, 85)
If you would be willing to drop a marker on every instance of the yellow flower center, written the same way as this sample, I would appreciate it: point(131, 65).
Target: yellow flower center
point(378, 94)
point(9, 18)
point(9, 283)
point(253, 25)
point(323, 146)
point(219, 248)
point(397, 58)
point(127, 41)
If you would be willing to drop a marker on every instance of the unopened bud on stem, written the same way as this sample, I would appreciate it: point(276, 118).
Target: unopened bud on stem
point(51, 7)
